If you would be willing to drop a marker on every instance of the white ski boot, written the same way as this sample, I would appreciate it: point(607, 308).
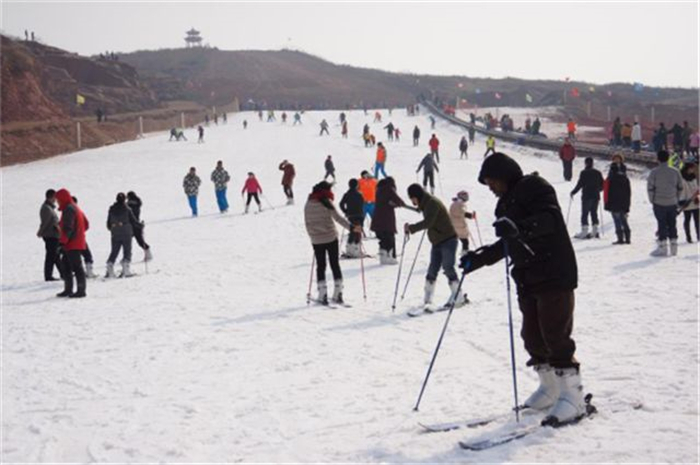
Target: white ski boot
point(594, 233)
point(110, 271)
point(352, 250)
point(89, 272)
point(338, 291)
point(661, 249)
point(571, 405)
point(548, 391)
point(246, 209)
point(429, 291)
point(583, 234)
point(458, 301)
point(674, 247)
point(148, 256)
point(126, 269)
point(290, 201)
point(322, 293)
point(385, 258)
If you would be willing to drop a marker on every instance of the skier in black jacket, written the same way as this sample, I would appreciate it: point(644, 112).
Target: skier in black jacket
point(590, 180)
point(134, 202)
point(352, 205)
point(416, 136)
point(533, 233)
point(618, 203)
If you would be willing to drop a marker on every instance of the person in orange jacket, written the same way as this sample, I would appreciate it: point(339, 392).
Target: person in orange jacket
point(571, 129)
point(368, 189)
point(381, 161)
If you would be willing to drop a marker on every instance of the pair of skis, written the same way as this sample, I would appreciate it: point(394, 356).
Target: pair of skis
point(500, 438)
point(430, 309)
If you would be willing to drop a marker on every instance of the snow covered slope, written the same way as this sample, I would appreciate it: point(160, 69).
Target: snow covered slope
point(214, 356)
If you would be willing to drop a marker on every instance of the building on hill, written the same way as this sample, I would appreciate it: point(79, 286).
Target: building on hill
point(193, 39)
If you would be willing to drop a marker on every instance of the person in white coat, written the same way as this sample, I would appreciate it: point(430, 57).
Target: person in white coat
point(458, 216)
point(636, 137)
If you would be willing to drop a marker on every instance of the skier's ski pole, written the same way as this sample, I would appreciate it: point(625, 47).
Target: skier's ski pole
point(311, 278)
point(439, 343)
point(602, 223)
point(510, 327)
point(410, 273)
point(362, 268)
point(568, 210)
point(398, 276)
point(478, 230)
point(267, 201)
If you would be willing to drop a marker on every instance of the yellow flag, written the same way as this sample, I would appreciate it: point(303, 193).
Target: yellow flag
point(79, 99)
point(592, 89)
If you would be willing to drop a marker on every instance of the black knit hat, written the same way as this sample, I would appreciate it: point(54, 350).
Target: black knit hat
point(500, 166)
point(352, 183)
point(121, 198)
point(415, 191)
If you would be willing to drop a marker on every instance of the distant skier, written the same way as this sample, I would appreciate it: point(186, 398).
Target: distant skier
point(434, 144)
point(330, 168)
point(288, 180)
point(260, 115)
point(442, 237)
point(225, 117)
point(458, 216)
point(206, 120)
point(432, 122)
point(284, 117)
point(618, 200)
point(50, 233)
point(297, 119)
point(463, 146)
point(245, 124)
point(664, 187)
point(319, 215)
point(636, 137)
point(571, 129)
point(429, 167)
point(590, 181)
point(384, 220)
point(472, 132)
point(567, 154)
point(200, 130)
point(368, 189)
point(253, 189)
point(416, 136)
point(352, 206)
point(271, 116)
point(216, 119)
point(134, 203)
point(377, 117)
point(380, 161)
point(191, 185)
point(73, 226)
point(397, 134)
point(490, 145)
point(324, 127)
point(389, 131)
point(220, 178)
point(532, 231)
point(120, 223)
point(177, 134)
point(536, 126)
point(344, 130)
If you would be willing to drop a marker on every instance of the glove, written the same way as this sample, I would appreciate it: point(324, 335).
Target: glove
point(472, 260)
point(505, 228)
point(571, 194)
point(406, 229)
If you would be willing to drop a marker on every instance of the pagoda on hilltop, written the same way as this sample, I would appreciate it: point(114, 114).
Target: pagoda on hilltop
point(193, 38)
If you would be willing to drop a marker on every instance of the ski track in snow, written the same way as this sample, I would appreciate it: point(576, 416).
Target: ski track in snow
point(217, 357)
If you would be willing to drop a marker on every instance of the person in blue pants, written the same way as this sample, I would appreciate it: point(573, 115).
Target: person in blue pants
point(220, 178)
point(191, 185)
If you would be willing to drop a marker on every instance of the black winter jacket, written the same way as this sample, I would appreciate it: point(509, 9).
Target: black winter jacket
point(591, 181)
point(619, 193)
point(352, 204)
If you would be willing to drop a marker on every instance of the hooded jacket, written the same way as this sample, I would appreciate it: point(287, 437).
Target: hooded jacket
point(289, 173)
point(531, 203)
point(49, 221)
point(384, 218)
point(458, 216)
point(435, 219)
point(619, 192)
point(352, 204)
point(591, 181)
point(73, 222)
point(319, 215)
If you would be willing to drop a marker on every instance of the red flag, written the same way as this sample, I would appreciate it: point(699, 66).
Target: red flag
point(610, 93)
point(575, 92)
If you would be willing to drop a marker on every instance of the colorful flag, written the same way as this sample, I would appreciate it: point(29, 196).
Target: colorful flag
point(638, 87)
point(498, 96)
point(460, 85)
point(575, 92)
point(478, 91)
point(592, 89)
point(528, 97)
point(79, 99)
point(610, 93)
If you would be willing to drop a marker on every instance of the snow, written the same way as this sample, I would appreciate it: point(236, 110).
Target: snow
point(214, 356)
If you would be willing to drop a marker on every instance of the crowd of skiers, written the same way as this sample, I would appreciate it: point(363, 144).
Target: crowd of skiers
point(682, 140)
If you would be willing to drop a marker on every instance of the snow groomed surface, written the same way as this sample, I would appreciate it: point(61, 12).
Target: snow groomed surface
point(214, 356)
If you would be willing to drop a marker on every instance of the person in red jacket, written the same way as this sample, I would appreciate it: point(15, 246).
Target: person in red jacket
point(73, 225)
point(288, 180)
point(434, 144)
point(252, 188)
point(567, 153)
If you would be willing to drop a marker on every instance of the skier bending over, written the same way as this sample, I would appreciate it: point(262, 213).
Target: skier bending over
point(384, 220)
point(319, 214)
point(252, 188)
point(533, 233)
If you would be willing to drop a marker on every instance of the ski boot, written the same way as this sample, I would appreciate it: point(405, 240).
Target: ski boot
point(620, 239)
point(674, 247)
point(89, 273)
point(594, 233)
point(338, 291)
point(429, 291)
point(322, 293)
point(661, 250)
point(148, 256)
point(110, 271)
point(126, 269)
point(548, 391)
point(570, 406)
point(583, 234)
point(457, 301)
point(385, 258)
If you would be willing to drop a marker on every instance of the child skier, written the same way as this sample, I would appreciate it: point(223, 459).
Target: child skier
point(252, 188)
point(191, 185)
point(490, 146)
point(330, 168)
point(458, 216)
point(352, 205)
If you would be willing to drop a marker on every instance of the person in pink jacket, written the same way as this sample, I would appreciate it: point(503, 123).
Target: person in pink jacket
point(458, 216)
point(252, 188)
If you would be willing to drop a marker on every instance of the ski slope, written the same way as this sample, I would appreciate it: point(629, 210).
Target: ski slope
point(214, 356)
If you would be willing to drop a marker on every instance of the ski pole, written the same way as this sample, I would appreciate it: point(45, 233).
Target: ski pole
point(398, 276)
point(478, 230)
point(439, 343)
point(267, 201)
point(602, 222)
point(568, 210)
point(362, 268)
point(410, 273)
point(311, 278)
point(510, 327)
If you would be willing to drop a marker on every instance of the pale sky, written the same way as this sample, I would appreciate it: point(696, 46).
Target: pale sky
point(655, 43)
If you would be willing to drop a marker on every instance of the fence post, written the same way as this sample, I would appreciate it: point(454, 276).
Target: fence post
point(182, 119)
point(80, 142)
point(653, 119)
point(140, 126)
point(609, 116)
point(588, 108)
